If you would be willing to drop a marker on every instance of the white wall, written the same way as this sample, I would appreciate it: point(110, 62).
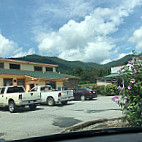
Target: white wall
point(115, 69)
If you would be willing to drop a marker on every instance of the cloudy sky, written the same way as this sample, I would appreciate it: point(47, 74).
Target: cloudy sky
point(88, 30)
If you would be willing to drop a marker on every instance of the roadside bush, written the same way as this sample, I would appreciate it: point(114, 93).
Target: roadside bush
point(111, 90)
point(100, 90)
point(131, 100)
point(87, 85)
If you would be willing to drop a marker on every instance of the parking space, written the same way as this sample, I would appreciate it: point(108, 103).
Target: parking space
point(47, 120)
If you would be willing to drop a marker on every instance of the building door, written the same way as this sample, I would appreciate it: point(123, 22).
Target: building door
point(32, 86)
point(52, 83)
point(21, 82)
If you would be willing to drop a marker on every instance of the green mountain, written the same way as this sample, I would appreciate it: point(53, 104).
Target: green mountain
point(119, 62)
point(87, 71)
point(70, 65)
point(64, 65)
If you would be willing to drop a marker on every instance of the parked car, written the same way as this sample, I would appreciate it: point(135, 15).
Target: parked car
point(14, 96)
point(50, 96)
point(83, 93)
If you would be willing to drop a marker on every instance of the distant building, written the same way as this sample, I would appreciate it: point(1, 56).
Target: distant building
point(113, 78)
point(30, 74)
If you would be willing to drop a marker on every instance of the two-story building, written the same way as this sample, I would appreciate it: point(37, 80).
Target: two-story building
point(30, 74)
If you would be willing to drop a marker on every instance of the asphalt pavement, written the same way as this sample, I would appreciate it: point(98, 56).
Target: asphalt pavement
point(47, 120)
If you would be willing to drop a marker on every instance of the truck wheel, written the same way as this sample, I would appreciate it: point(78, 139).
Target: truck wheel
point(50, 101)
point(64, 103)
point(12, 107)
point(32, 107)
point(82, 98)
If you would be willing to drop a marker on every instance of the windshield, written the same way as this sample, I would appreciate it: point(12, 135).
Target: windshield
point(87, 89)
point(46, 88)
point(15, 90)
point(70, 65)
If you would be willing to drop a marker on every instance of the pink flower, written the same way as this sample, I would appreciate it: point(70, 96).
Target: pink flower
point(136, 84)
point(129, 87)
point(122, 88)
point(132, 66)
point(119, 71)
point(115, 98)
point(119, 87)
point(132, 80)
point(134, 58)
point(129, 62)
point(135, 71)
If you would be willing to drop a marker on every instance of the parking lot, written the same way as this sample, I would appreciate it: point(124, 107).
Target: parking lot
point(47, 120)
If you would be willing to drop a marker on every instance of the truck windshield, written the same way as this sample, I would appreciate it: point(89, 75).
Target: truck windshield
point(15, 90)
point(45, 88)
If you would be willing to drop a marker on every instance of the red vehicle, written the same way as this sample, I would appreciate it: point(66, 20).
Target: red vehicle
point(83, 93)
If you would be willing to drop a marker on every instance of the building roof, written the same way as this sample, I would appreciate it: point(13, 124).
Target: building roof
point(114, 75)
point(36, 74)
point(27, 62)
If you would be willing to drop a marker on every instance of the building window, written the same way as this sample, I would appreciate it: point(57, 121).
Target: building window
point(49, 69)
point(21, 82)
point(36, 68)
point(52, 83)
point(1, 65)
point(15, 66)
point(8, 82)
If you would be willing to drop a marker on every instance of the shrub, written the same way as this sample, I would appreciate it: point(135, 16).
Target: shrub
point(87, 85)
point(131, 91)
point(111, 90)
point(100, 90)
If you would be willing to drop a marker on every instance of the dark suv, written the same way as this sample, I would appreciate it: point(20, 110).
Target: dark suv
point(83, 93)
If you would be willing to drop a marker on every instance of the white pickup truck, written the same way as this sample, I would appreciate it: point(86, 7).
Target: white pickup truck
point(14, 96)
point(52, 97)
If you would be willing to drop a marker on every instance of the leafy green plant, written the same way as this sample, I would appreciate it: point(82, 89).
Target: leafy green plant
point(100, 90)
point(91, 85)
point(131, 100)
point(111, 90)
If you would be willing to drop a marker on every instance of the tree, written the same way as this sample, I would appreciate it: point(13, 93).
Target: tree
point(131, 91)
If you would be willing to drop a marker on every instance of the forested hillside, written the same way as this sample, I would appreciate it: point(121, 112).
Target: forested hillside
point(86, 71)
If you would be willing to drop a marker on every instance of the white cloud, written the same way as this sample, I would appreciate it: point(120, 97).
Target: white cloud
point(137, 39)
point(20, 53)
point(6, 46)
point(65, 9)
point(9, 48)
point(122, 55)
point(106, 61)
point(89, 39)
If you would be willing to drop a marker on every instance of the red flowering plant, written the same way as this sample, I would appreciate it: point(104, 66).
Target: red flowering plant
point(131, 92)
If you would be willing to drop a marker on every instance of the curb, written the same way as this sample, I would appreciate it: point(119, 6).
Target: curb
point(89, 123)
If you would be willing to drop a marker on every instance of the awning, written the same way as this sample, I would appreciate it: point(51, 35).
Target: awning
point(114, 75)
point(36, 74)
